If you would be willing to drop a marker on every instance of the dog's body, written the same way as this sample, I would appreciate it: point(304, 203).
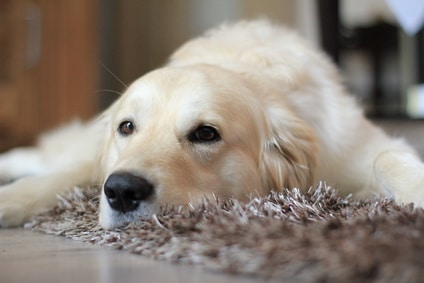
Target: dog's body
point(246, 109)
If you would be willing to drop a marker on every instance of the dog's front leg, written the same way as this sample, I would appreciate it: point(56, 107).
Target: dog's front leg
point(21, 162)
point(32, 195)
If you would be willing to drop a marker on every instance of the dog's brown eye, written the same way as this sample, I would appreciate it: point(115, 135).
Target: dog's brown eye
point(204, 134)
point(126, 128)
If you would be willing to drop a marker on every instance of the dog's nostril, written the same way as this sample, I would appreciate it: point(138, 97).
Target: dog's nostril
point(110, 193)
point(124, 191)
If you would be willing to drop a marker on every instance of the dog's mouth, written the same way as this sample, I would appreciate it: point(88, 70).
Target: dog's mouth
point(126, 198)
point(110, 218)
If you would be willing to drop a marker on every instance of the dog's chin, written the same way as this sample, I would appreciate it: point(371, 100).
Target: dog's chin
point(110, 219)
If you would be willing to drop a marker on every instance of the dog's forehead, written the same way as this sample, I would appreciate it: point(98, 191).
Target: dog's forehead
point(170, 85)
point(181, 89)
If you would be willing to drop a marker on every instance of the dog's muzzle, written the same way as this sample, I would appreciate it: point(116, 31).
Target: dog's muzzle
point(125, 191)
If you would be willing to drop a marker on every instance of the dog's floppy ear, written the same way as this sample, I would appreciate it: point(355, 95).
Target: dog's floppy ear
point(289, 152)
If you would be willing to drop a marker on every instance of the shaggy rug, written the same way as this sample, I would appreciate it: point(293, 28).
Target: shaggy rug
point(299, 237)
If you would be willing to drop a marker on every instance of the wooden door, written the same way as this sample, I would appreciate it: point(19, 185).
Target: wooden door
point(48, 54)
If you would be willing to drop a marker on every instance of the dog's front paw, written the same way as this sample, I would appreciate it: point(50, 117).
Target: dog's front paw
point(11, 215)
point(17, 204)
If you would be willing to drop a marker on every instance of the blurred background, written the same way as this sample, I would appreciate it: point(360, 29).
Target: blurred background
point(71, 58)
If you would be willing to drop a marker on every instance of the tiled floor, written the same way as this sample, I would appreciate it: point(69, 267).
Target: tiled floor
point(26, 256)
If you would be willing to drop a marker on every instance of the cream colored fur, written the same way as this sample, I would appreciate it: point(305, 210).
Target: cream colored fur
point(284, 118)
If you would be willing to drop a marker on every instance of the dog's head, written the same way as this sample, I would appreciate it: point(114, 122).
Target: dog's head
point(180, 134)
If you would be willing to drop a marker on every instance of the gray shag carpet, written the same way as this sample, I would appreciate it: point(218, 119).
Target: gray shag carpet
point(289, 236)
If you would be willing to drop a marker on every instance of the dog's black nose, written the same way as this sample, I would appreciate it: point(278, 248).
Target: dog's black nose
point(124, 191)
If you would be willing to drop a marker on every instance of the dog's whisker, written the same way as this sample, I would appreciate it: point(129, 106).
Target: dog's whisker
point(109, 90)
point(112, 74)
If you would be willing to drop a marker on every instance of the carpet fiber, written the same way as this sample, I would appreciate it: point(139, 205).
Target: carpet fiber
point(300, 237)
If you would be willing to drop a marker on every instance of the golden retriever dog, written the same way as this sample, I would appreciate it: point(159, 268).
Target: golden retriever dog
point(243, 110)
